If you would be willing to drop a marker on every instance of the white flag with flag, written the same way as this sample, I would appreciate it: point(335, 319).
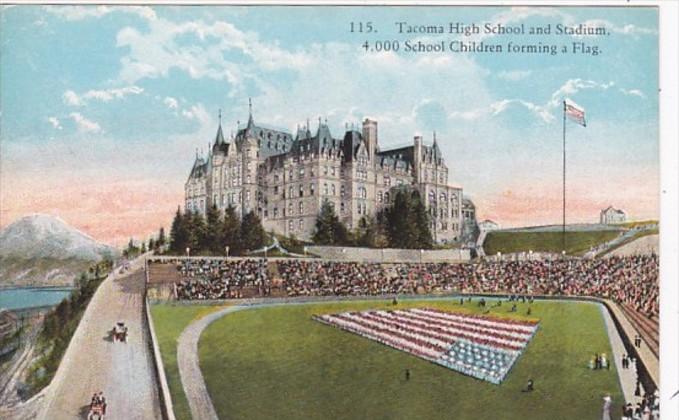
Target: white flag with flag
point(575, 112)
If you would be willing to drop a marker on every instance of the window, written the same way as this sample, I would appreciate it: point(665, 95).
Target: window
point(301, 224)
point(290, 191)
point(332, 189)
point(291, 225)
point(342, 207)
point(325, 170)
point(387, 181)
point(379, 197)
point(301, 208)
point(275, 212)
point(247, 195)
point(290, 175)
point(275, 189)
point(342, 191)
point(386, 197)
point(301, 190)
point(333, 171)
point(301, 173)
point(311, 189)
point(325, 188)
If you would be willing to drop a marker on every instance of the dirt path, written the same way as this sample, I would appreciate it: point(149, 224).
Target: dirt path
point(193, 383)
point(92, 363)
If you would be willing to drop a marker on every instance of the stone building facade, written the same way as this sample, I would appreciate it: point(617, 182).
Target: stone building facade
point(285, 178)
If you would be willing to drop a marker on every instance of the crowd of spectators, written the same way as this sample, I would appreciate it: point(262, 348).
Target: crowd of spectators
point(632, 280)
point(221, 279)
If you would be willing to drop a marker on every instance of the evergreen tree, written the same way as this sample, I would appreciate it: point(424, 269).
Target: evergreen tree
point(252, 234)
point(178, 233)
point(420, 219)
point(407, 221)
point(329, 230)
point(152, 244)
point(230, 234)
point(143, 247)
point(161, 237)
point(213, 230)
point(197, 232)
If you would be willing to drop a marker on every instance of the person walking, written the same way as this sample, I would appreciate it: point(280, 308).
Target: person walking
point(606, 411)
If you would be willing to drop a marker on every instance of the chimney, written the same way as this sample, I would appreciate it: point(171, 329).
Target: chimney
point(370, 136)
point(417, 157)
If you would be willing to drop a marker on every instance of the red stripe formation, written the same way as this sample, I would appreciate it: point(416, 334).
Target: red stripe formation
point(475, 345)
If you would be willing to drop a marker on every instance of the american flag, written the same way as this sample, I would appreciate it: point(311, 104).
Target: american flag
point(484, 347)
point(575, 112)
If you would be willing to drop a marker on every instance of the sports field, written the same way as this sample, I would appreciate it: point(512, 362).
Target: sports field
point(276, 362)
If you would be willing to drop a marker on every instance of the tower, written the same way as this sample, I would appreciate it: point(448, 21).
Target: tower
point(370, 136)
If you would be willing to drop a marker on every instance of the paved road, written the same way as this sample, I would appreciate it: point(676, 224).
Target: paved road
point(123, 371)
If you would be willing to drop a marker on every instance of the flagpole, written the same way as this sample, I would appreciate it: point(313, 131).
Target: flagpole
point(563, 220)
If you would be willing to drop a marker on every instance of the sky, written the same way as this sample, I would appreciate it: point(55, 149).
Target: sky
point(103, 107)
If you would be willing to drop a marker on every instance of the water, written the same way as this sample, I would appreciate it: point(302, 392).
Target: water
point(31, 297)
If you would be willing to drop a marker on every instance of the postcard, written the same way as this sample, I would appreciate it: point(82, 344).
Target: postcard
point(335, 211)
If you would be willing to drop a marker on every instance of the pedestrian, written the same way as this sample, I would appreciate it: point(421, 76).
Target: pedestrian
point(407, 374)
point(530, 386)
point(606, 414)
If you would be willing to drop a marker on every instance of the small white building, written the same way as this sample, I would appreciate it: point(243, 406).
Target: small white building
point(488, 226)
point(611, 216)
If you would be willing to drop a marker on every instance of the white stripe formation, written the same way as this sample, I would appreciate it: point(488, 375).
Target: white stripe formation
point(480, 346)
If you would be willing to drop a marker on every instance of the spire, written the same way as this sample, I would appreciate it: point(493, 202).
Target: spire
point(219, 138)
point(250, 119)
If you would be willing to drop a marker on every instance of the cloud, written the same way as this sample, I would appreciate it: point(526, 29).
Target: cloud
point(55, 123)
point(83, 124)
point(633, 92)
point(197, 112)
point(498, 107)
point(74, 13)
point(73, 99)
point(171, 102)
point(513, 75)
point(154, 53)
point(573, 86)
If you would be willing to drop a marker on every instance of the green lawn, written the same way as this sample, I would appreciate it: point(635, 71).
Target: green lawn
point(169, 321)
point(276, 362)
point(577, 243)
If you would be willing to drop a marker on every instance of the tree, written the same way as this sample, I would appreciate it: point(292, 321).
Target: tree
point(152, 244)
point(421, 221)
point(161, 237)
point(197, 232)
point(329, 230)
point(143, 247)
point(213, 230)
point(252, 234)
point(230, 234)
point(370, 232)
point(179, 235)
point(407, 221)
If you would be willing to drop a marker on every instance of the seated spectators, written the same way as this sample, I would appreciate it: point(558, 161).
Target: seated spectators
point(630, 280)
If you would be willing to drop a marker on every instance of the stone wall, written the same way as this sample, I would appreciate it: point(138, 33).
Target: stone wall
point(389, 254)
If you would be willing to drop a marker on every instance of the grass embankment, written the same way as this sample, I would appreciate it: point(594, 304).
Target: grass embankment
point(638, 235)
point(169, 321)
point(577, 243)
point(278, 363)
point(60, 325)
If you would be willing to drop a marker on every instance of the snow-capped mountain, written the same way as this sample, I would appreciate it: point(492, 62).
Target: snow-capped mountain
point(42, 249)
point(43, 236)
